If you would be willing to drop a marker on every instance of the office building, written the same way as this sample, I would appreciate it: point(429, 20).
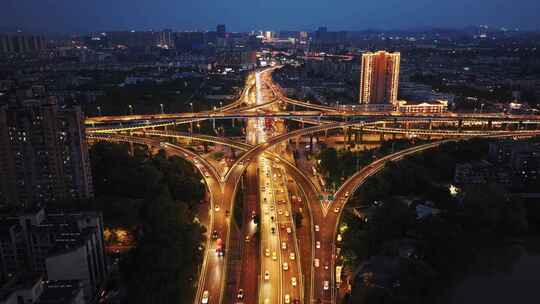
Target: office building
point(21, 43)
point(43, 154)
point(379, 78)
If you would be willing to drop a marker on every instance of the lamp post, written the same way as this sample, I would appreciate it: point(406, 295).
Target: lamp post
point(99, 110)
point(191, 122)
point(130, 109)
point(162, 110)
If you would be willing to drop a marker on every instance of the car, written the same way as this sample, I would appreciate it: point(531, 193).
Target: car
point(285, 266)
point(336, 210)
point(217, 208)
point(289, 230)
point(247, 238)
point(266, 301)
point(240, 294)
point(293, 281)
point(287, 213)
point(266, 275)
point(205, 296)
point(253, 214)
point(317, 228)
point(215, 235)
point(273, 229)
point(317, 244)
point(347, 194)
point(274, 256)
point(283, 245)
point(326, 285)
point(267, 252)
point(316, 263)
point(287, 299)
point(280, 212)
point(272, 218)
point(292, 256)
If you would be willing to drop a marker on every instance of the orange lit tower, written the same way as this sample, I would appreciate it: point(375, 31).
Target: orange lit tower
point(379, 78)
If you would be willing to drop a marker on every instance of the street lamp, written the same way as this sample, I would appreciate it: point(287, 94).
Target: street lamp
point(130, 109)
point(191, 122)
point(99, 110)
point(161, 106)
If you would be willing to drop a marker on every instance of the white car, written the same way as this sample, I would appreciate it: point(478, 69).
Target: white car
point(283, 245)
point(347, 194)
point(217, 208)
point(316, 263)
point(336, 210)
point(289, 230)
point(205, 296)
point(317, 244)
point(287, 213)
point(274, 256)
point(266, 275)
point(326, 285)
point(285, 266)
point(293, 281)
point(267, 252)
point(317, 228)
point(292, 256)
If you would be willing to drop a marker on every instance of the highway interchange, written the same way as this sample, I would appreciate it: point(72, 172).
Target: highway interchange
point(283, 262)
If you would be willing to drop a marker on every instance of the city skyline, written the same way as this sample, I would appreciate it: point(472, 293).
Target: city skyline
point(253, 152)
point(62, 16)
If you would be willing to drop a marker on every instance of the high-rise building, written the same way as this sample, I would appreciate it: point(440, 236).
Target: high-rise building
point(43, 154)
point(21, 43)
point(221, 31)
point(57, 245)
point(379, 78)
point(166, 39)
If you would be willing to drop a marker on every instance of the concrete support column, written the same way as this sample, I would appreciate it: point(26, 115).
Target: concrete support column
point(131, 149)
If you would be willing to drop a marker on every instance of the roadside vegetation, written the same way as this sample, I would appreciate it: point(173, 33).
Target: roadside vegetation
point(413, 259)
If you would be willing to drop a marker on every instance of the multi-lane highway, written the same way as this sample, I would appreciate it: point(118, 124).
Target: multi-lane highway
point(280, 262)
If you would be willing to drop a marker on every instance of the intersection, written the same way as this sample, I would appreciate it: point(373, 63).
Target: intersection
point(294, 263)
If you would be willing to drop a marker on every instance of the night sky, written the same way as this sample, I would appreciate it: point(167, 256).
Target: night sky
point(245, 15)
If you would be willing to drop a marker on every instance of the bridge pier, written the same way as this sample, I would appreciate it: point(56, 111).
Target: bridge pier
point(460, 125)
point(131, 149)
point(310, 144)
